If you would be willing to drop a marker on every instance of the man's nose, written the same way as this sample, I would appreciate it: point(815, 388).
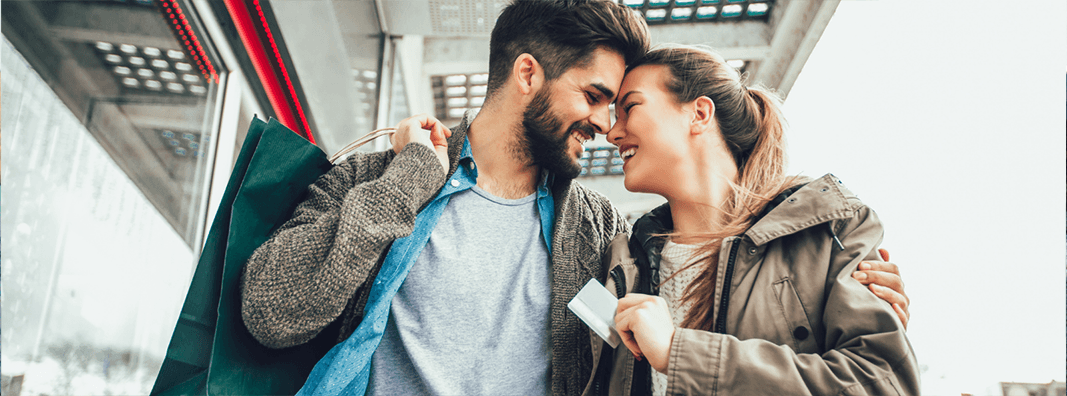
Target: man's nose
point(601, 121)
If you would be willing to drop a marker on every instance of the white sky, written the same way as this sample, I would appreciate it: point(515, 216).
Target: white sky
point(947, 117)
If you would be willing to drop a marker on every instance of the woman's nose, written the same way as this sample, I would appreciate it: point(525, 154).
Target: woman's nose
point(616, 133)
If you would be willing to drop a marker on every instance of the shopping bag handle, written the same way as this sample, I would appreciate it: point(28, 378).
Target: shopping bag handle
point(359, 142)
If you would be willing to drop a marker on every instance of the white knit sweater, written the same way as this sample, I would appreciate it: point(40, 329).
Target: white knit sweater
point(673, 258)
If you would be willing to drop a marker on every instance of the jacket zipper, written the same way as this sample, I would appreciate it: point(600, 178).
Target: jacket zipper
point(620, 281)
point(720, 322)
point(606, 356)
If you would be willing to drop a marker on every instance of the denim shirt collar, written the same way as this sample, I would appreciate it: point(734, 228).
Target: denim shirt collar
point(466, 159)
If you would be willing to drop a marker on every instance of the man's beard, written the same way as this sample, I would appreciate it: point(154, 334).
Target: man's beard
point(542, 144)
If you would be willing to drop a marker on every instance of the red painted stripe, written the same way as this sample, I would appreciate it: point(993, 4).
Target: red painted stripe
point(213, 76)
point(189, 39)
point(285, 73)
point(250, 38)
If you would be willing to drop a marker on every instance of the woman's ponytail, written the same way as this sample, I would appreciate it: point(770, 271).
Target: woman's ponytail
point(764, 164)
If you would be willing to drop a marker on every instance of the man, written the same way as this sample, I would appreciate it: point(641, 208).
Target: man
point(445, 266)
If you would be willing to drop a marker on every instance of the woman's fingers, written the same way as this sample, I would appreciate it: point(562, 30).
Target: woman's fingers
point(634, 299)
point(646, 322)
point(623, 323)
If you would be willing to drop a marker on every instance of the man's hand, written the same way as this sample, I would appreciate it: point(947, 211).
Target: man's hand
point(425, 130)
point(885, 282)
point(645, 326)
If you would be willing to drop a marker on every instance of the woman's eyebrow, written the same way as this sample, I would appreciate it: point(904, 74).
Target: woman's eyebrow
point(623, 98)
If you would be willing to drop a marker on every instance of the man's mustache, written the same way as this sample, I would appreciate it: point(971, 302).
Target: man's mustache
point(584, 127)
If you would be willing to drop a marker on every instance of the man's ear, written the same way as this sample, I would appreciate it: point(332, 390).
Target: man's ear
point(703, 115)
point(528, 74)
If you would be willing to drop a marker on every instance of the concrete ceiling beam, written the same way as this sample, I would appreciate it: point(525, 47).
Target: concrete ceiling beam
point(798, 25)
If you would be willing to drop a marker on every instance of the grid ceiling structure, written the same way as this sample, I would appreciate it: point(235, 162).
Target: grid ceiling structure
point(454, 94)
point(366, 91)
point(690, 11)
point(150, 69)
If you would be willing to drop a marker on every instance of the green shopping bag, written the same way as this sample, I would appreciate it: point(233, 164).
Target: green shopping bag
point(211, 351)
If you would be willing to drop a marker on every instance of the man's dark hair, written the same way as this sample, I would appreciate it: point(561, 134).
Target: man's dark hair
point(562, 34)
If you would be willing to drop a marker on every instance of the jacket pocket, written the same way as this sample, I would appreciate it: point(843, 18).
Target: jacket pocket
point(794, 318)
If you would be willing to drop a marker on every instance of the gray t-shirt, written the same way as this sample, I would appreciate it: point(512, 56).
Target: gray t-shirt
point(472, 317)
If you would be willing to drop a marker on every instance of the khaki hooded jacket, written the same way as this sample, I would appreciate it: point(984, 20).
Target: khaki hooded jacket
point(789, 317)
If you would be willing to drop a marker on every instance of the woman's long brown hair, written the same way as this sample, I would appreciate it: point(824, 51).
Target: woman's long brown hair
point(752, 128)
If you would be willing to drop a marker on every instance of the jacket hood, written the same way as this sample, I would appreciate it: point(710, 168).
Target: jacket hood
point(797, 208)
point(821, 201)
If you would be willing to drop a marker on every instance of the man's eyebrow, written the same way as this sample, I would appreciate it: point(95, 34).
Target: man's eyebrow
point(607, 92)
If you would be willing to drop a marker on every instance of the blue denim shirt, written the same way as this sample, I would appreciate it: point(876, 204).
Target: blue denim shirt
point(345, 369)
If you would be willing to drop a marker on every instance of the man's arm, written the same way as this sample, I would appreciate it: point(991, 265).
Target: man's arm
point(300, 280)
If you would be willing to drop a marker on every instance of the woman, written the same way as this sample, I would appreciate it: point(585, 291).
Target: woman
point(744, 278)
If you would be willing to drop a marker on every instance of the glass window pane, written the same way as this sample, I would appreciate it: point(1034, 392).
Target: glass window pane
point(398, 105)
point(330, 42)
point(105, 148)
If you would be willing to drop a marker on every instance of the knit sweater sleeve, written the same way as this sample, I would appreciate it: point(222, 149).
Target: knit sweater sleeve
point(300, 280)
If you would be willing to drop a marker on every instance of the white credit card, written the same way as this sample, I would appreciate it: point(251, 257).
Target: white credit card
point(595, 306)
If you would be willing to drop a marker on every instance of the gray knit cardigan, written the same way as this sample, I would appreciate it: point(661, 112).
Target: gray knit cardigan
point(313, 276)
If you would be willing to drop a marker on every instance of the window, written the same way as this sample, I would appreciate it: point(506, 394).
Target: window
point(108, 131)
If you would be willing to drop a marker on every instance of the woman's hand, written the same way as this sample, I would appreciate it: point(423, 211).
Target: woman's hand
point(645, 326)
point(425, 130)
point(885, 282)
